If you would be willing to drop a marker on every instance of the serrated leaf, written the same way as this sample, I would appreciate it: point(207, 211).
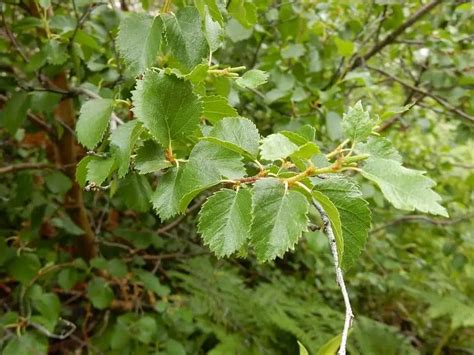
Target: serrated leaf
point(357, 124)
point(185, 38)
point(166, 197)
point(213, 32)
point(150, 158)
point(244, 12)
point(379, 147)
point(252, 79)
point(81, 170)
point(306, 148)
point(123, 138)
point(217, 107)
point(237, 134)
point(212, 8)
point(166, 106)
point(280, 217)
point(225, 219)
point(198, 74)
point(14, 112)
point(93, 121)
point(139, 40)
point(333, 214)
point(277, 146)
point(207, 165)
point(354, 214)
point(135, 191)
point(406, 189)
point(98, 170)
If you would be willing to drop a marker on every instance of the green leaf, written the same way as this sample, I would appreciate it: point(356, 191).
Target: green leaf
point(166, 197)
point(252, 79)
point(244, 12)
point(24, 267)
point(28, 343)
point(166, 106)
point(237, 134)
point(81, 170)
point(277, 146)
point(379, 147)
point(357, 123)
point(213, 32)
point(147, 329)
point(139, 40)
point(280, 217)
point(406, 189)
point(135, 191)
point(123, 138)
point(302, 349)
point(100, 293)
point(98, 170)
point(330, 347)
point(293, 51)
point(344, 48)
point(57, 182)
point(216, 108)
point(225, 219)
point(93, 121)
point(14, 112)
point(48, 305)
point(207, 165)
point(152, 282)
point(185, 38)
point(212, 7)
point(354, 214)
point(150, 158)
point(333, 214)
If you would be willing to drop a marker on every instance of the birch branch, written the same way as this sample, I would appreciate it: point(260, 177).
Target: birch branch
point(339, 276)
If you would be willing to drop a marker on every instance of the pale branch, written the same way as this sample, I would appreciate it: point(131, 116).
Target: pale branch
point(390, 38)
point(423, 92)
point(349, 316)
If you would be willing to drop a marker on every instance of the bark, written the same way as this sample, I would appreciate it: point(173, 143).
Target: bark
point(67, 156)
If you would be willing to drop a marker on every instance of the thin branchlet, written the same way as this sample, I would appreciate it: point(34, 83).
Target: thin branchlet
point(349, 316)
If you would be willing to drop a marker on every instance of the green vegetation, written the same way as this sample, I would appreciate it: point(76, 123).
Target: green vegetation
point(191, 177)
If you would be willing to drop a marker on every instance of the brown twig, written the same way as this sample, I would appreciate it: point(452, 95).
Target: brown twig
point(25, 166)
point(422, 218)
point(421, 91)
point(422, 11)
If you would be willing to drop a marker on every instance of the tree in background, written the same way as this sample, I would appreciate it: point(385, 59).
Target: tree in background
point(160, 159)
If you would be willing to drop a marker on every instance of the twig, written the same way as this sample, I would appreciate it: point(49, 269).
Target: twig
point(25, 166)
point(422, 11)
point(438, 99)
point(422, 218)
point(13, 39)
point(339, 276)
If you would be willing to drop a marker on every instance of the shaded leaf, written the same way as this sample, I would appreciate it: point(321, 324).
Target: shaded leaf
point(93, 121)
point(354, 214)
point(139, 40)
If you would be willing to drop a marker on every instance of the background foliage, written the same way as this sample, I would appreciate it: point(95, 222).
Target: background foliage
point(91, 267)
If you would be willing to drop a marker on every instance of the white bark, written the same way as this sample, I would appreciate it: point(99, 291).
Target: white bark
point(339, 276)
